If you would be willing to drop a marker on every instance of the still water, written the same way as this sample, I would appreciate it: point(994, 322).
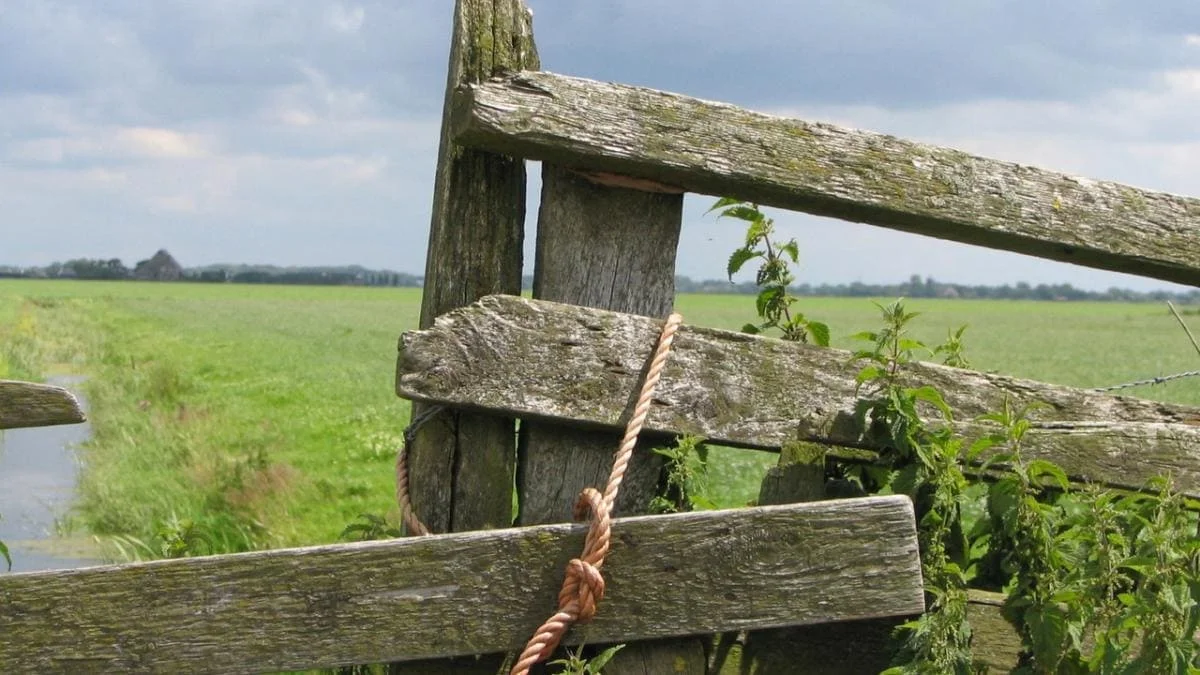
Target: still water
point(38, 470)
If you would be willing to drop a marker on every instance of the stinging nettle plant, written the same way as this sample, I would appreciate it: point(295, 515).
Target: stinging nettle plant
point(1095, 580)
point(774, 303)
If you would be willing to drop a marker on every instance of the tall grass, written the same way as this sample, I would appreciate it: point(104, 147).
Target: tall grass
point(229, 417)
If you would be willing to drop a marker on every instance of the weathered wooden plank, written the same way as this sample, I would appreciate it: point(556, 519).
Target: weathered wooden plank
point(607, 247)
point(26, 404)
point(832, 171)
point(536, 359)
point(461, 466)
point(475, 592)
point(846, 648)
point(854, 647)
point(994, 642)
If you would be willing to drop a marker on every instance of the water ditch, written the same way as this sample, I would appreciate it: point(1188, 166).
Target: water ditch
point(38, 472)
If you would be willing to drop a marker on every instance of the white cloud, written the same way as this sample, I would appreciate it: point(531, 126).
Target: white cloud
point(346, 19)
point(161, 143)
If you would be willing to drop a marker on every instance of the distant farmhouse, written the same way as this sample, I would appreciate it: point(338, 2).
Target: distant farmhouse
point(160, 267)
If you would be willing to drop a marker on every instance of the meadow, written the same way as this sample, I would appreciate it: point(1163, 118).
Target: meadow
point(230, 417)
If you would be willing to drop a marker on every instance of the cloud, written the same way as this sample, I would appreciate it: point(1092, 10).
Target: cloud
point(306, 132)
point(1146, 137)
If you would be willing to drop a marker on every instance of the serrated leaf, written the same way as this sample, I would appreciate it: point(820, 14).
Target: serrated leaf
point(979, 446)
point(597, 662)
point(739, 258)
point(934, 397)
point(820, 333)
point(867, 374)
point(743, 212)
point(766, 297)
point(791, 250)
point(722, 203)
point(755, 232)
point(1040, 468)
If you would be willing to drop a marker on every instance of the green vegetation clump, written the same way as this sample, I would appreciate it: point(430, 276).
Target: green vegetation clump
point(1095, 581)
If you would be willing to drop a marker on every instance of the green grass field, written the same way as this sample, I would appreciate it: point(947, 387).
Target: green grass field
point(230, 417)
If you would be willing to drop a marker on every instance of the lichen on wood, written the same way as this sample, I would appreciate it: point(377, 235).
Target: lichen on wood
point(28, 404)
point(460, 594)
point(535, 359)
point(720, 149)
point(461, 466)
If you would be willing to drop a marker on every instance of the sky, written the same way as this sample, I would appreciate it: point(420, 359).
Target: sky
point(304, 132)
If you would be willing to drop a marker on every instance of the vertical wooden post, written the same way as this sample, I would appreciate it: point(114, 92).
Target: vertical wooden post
point(845, 648)
point(611, 248)
point(461, 465)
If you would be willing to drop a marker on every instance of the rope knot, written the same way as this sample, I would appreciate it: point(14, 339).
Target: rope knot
point(584, 587)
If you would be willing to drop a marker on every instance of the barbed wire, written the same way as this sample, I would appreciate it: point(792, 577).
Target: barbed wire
point(1164, 378)
point(1151, 381)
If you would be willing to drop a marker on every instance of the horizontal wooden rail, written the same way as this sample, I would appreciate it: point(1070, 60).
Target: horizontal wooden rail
point(476, 592)
point(25, 404)
point(720, 149)
point(529, 358)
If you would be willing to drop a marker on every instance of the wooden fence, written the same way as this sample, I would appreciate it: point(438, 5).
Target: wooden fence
point(806, 587)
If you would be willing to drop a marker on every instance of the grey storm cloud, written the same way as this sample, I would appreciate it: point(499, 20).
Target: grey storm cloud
point(911, 53)
point(227, 129)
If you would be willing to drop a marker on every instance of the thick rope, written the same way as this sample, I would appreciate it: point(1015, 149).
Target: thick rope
point(411, 522)
point(583, 587)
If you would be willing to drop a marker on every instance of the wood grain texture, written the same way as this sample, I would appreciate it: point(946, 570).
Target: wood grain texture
point(475, 592)
point(26, 404)
point(826, 170)
point(461, 466)
point(609, 247)
point(536, 359)
point(846, 648)
point(994, 643)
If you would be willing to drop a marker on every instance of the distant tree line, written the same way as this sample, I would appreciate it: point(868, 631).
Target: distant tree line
point(162, 267)
point(926, 287)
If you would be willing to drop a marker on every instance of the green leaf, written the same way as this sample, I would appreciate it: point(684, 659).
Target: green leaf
point(934, 397)
point(751, 329)
point(722, 203)
point(791, 250)
point(738, 259)
point(867, 374)
point(866, 335)
point(820, 333)
point(979, 446)
point(1040, 468)
point(746, 213)
point(4, 554)
point(766, 297)
point(597, 662)
point(756, 232)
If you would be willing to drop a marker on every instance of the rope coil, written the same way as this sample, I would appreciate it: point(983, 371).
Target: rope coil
point(583, 584)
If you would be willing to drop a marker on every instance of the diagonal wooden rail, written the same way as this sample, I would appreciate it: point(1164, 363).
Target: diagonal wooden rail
point(521, 357)
point(720, 149)
point(468, 593)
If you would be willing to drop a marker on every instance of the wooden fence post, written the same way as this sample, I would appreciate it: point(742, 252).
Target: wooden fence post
point(461, 465)
point(614, 248)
